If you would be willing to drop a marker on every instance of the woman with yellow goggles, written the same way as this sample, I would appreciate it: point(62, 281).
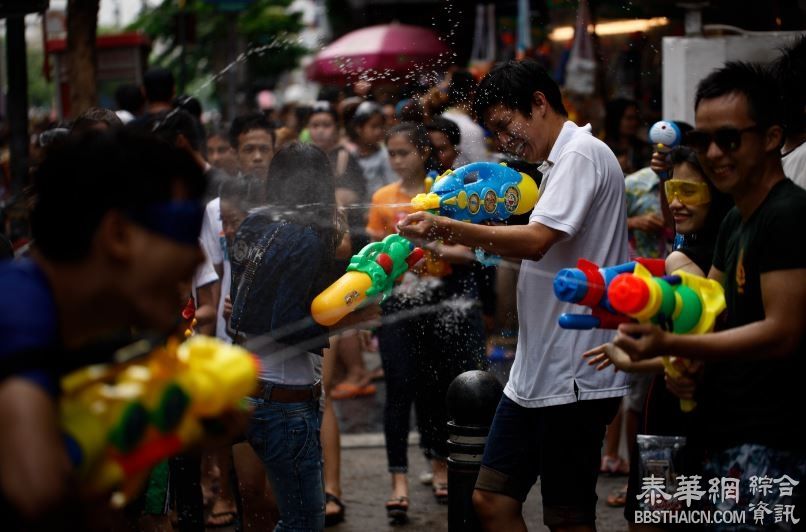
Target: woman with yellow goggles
point(697, 209)
point(688, 192)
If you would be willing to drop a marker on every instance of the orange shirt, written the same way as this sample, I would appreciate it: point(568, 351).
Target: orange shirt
point(389, 206)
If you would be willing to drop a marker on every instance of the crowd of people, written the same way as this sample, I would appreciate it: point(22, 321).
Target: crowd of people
point(137, 210)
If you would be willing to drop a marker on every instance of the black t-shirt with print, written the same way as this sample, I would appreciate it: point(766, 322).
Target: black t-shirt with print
point(763, 400)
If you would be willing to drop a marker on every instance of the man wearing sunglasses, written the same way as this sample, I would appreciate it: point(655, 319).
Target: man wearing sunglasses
point(751, 389)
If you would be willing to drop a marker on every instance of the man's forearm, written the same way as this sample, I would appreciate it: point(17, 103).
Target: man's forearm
point(758, 340)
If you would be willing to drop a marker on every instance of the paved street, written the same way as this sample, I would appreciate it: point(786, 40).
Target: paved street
point(366, 487)
point(366, 484)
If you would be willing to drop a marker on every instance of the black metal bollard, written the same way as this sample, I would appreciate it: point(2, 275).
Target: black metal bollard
point(471, 399)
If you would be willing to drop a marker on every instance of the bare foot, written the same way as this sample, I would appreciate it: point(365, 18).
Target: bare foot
point(400, 485)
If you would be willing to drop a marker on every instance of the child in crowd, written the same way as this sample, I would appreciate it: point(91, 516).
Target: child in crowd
point(366, 131)
point(421, 355)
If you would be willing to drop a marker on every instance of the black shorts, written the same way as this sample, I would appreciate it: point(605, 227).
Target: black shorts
point(560, 444)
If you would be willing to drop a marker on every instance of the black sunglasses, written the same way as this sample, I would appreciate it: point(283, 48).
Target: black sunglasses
point(728, 139)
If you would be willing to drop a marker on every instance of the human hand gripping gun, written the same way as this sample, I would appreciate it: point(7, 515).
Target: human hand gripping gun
point(119, 421)
point(682, 303)
point(371, 272)
point(479, 192)
point(588, 284)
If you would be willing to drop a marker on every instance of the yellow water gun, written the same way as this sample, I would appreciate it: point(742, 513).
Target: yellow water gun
point(119, 421)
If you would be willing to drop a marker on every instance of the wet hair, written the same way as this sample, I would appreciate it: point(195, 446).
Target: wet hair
point(168, 125)
point(300, 173)
point(158, 84)
point(446, 126)
point(417, 135)
point(246, 123)
point(513, 84)
point(82, 177)
point(326, 107)
point(699, 246)
point(754, 81)
point(129, 98)
point(94, 116)
point(614, 112)
point(790, 72)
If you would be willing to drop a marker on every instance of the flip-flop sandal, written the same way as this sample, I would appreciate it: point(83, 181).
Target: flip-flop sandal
point(338, 517)
point(350, 391)
point(397, 510)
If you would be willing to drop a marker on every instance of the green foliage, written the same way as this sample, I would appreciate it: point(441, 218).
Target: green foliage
point(262, 23)
point(40, 91)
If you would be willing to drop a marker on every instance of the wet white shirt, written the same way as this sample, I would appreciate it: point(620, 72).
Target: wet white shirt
point(582, 195)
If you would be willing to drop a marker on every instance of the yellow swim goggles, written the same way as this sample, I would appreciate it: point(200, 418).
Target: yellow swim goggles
point(687, 192)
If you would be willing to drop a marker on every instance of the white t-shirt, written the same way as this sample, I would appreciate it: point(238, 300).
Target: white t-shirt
point(215, 246)
point(794, 164)
point(582, 195)
point(472, 141)
point(205, 274)
point(377, 170)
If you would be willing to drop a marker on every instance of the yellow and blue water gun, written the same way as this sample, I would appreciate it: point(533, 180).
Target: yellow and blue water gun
point(479, 192)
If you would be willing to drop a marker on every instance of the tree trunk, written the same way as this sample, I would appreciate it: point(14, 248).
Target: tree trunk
point(82, 58)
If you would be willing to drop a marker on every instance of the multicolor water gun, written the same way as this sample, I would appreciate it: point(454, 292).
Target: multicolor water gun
point(682, 303)
point(371, 272)
point(479, 192)
point(119, 421)
point(664, 135)
point(588, 284)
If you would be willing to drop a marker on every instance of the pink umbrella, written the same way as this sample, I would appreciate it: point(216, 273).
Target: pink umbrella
point(377, 51)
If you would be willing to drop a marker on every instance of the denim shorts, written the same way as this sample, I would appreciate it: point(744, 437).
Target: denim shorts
point(560, 444)
point(286, 438)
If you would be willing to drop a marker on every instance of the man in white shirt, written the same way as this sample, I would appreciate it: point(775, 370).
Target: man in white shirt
point(551, 421)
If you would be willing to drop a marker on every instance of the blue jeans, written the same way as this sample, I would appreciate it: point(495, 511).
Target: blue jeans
point(286, 438)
